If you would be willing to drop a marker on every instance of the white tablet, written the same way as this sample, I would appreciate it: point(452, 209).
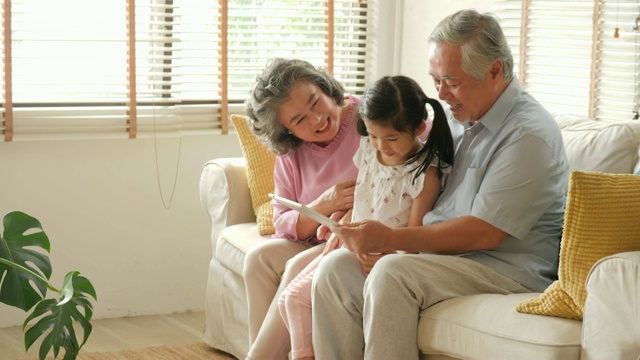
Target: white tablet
point(303, 209)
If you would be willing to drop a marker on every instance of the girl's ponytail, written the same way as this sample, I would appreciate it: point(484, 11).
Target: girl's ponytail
point(439, 143)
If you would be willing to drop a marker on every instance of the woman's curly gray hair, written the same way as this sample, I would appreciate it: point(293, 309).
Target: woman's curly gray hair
point(271, 90)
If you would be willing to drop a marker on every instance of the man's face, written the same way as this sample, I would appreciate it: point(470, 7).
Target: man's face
point(468, 99)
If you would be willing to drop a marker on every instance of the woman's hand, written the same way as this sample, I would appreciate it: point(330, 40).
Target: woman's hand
point(366, 237)
point(368, 260)
point(338, 197)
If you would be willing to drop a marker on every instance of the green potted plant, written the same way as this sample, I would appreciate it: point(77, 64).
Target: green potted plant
point(25, 270)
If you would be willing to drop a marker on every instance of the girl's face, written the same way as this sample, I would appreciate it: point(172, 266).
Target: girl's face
point(310, 114)
point(394, 147)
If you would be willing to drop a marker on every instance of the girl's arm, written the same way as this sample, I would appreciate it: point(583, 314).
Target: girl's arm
point(424, 202)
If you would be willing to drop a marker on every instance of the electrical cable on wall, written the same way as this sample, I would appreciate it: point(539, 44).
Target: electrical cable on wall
point(167, 205)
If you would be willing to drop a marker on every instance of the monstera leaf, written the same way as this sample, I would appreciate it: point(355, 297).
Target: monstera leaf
point(25, 274)
point(22, 231)
point(55, 319)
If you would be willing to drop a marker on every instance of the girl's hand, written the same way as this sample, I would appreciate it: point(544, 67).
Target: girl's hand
point(368, 260)
point(324, 232)
point(333, 243)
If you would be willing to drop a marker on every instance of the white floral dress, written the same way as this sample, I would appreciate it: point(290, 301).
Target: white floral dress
point(384, 193)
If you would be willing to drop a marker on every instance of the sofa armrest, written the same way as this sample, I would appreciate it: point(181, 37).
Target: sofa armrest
point(611, 329)
point(224, 194)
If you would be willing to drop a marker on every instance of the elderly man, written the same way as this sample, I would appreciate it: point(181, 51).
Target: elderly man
point(495, 227)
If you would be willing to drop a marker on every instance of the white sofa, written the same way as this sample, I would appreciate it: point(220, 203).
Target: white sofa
point(471, 327)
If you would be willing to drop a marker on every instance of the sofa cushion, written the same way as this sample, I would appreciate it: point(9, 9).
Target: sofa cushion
point(260, 164)
point(600, 145)
point(487, 326)
point(233, 244)
point(601, 219)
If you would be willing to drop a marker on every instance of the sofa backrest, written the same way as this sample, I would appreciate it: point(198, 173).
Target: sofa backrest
point(604, 146)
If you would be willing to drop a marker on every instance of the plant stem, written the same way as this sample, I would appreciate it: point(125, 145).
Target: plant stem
point(22, 268)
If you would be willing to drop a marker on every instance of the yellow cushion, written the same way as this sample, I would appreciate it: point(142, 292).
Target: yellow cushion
point(260, 164)
point(602, 218)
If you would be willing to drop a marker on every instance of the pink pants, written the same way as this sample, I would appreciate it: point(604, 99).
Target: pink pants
point(295, 309)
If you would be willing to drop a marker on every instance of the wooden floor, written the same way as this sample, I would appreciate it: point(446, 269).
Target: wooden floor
point(119, 334)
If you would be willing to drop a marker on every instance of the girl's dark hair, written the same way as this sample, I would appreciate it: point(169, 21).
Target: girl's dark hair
point(399, 102)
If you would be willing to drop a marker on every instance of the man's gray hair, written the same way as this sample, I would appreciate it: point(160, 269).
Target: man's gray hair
point(481, 40)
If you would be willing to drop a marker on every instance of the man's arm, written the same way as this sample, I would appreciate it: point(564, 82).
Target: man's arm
point(455, 236)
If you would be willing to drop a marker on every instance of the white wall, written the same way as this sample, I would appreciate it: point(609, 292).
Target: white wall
point(418, 20)
point(100, 205)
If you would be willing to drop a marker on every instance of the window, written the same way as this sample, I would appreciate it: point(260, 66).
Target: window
point(126, 68)
point(568, 57)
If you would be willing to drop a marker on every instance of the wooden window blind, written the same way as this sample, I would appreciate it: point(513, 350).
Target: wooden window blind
point(568, 57)
point(129, 68)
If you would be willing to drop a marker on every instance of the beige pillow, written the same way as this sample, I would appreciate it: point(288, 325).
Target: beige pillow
point(260, 164)
point(602, 218)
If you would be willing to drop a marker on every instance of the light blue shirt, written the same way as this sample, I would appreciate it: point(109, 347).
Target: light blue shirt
point(511, 171)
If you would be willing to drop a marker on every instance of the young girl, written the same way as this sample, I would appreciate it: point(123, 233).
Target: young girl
point(399, 179)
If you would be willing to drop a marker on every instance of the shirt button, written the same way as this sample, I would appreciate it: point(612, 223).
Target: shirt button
point(439, 208)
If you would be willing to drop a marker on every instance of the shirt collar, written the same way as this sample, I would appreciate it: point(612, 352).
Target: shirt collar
point(498, 113)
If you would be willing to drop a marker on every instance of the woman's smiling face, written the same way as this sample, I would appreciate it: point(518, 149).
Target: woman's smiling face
point(310, 114)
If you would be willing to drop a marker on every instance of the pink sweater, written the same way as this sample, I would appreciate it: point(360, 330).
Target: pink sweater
point(308, 170)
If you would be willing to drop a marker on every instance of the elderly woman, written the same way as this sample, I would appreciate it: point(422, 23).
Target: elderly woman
point(303, 115)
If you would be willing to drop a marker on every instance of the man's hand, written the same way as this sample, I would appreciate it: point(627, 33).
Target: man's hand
point(366, 237)
point(368, 260)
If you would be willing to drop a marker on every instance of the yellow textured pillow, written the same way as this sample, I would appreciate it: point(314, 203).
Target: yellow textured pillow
point(602, 218)
point(260, 164)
